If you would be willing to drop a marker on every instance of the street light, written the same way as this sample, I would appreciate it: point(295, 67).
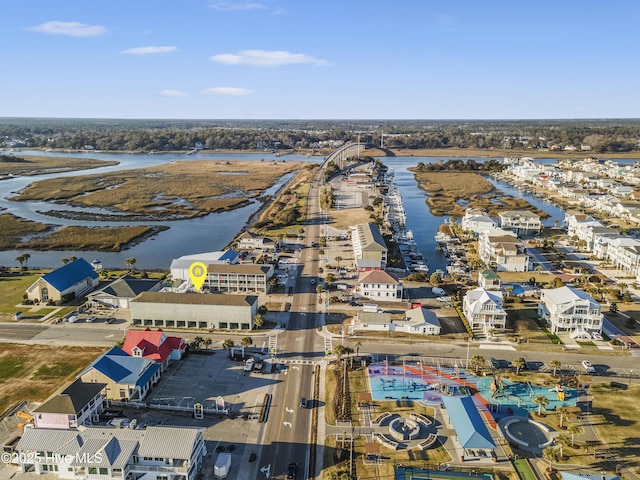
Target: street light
point(630, 373)
point(466, 365)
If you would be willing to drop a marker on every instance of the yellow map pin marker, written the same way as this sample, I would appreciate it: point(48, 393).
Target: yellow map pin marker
point(197, 273)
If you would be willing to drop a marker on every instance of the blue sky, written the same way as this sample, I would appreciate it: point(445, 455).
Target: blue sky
point(329, 59)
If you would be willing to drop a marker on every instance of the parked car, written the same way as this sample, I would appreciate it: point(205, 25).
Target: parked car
point(110, 320)
point(91, 318)
point(292, 471)
point(586, 364)
point(303, 402)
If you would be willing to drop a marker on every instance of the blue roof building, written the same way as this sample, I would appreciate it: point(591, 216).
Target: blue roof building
point(126, 377)
point(65, 283)
point(470, 428)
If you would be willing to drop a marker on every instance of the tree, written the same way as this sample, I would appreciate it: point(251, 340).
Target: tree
point(339, 351)
point(258, 320)
point(477, 362)
point(64, 260)
point(319, 289)
point(613, 307)
point(562, 411)
point(562, 441)
point(358, 344)
point(228, 344)
point(26, 257)
point(330, 278)
point(541, 401)
point(207, 343)
point(435, 279)
point(574, 429)
point(555, 364)
point(130, 263)
point(550, 454)
point(338, 259)
point(519, 363)
point(20, 260)
point(246, 342)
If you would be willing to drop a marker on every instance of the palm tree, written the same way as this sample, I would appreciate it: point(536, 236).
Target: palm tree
point(519, 363)
point(477, 361)
point(562, 441)
point(73, 258)
point(130, 262)
point(358, 344)
point(198, 341)
point(20, 260)
point(338, 259)
point(228, 344)
point(550, 454)
point(246, 342)
point(207, 343)
point(555, 364)
point(319, 289)
point(26, 257)
point(574, 429)
point(562, 411)
point(542, 401)
point(339, 351)
point(64, 260)
point(258, 321)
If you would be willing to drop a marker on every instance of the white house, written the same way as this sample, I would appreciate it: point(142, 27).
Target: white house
point(180, 266)
point(503, 250)
point(250, 241)
point(152, 453)
point(624, 254)
point(521, 222)
point(483, 309)
point(489, 280)
point(477, 221)
point(419, 321)
point(380, 286)
point(568, 309)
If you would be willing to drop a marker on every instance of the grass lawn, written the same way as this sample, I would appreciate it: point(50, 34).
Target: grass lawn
point(524, 317)
point(12, 288)
point(28, 373)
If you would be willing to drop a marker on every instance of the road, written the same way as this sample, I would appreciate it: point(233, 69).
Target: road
point(286, 437)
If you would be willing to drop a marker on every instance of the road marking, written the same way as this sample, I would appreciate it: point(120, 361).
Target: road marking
point(295, 368)
point(289, 410)
point(287, 424)
point(266, 470)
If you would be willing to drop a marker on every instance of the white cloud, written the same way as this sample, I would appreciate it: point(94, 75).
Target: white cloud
point(235, 6)
point(71, 29)
point(265, 58)
point(172, 93)
point(149, 50)
point(233, 91)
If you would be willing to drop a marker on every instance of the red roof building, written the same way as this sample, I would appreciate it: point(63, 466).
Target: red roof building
point(154, 345)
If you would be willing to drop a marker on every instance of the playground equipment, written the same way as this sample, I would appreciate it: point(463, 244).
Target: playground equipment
point(28, 419)
point(497, 387)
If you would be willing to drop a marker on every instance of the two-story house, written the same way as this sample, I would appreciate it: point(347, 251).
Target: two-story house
point(567, 309)
point(380, 286)
point(483, 309)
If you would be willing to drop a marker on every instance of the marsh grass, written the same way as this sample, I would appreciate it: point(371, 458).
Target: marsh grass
point(452, 192)
point(36, 165)
point(90, 238)
point(13, 229)
point(179, 188)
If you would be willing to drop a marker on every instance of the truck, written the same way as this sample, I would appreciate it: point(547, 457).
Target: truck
point(248, 364)
point(222, 465)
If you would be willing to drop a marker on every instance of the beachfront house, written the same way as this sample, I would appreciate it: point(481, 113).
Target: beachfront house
point(249, 241)
point(568, 309)
point(65, 283)
point(483, 310)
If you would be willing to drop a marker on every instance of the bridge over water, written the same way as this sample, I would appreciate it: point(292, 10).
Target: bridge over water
point(348, 150)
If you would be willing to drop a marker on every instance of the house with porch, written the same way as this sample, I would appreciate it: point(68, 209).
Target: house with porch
point(521, 222)
point(489, 280)
point(568, 309)
point(121, 291)
point(503, 250)
point(77, 404)
point(379, 285)
point(483, 310)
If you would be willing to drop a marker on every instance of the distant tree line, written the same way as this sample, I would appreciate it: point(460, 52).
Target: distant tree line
point(461, 165)
point(603, 136)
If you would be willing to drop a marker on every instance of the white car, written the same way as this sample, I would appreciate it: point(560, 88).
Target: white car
point(586, 364)
point(91, 318)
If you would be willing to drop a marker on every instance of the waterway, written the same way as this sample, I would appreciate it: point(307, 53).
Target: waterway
point(208, 233)
point(215, 231)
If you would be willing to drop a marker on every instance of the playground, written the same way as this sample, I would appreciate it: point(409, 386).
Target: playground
point(420, 382)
